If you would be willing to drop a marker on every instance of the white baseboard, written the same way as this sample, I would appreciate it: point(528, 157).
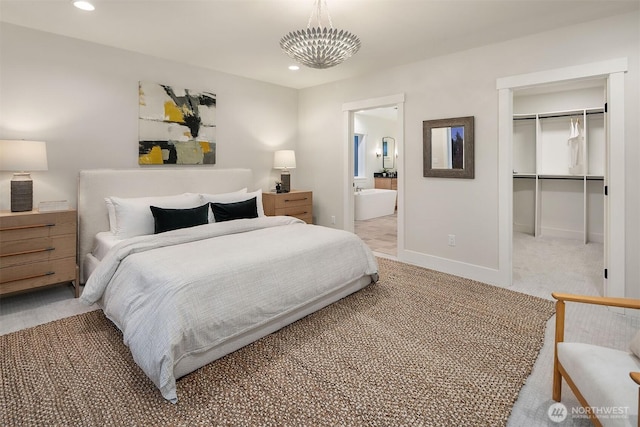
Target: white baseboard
point(457, 268)
point(595, 237)
point(562, 233)
point(523, 228)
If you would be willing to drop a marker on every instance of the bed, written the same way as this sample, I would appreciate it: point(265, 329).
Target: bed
point(188, 296)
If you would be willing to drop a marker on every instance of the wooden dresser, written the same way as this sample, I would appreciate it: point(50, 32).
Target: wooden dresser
point(37, 250)
point(296, 203)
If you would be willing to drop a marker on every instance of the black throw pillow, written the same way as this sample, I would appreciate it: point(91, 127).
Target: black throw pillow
point(166, 219)
point(236, 210)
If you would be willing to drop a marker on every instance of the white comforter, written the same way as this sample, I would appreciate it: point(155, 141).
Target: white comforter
point(183, 292)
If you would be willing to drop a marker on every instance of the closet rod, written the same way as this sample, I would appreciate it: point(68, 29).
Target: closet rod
point(576, 177)
point(558, 115)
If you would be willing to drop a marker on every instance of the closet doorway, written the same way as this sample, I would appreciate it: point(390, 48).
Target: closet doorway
point(613, 73)
point(559, 167)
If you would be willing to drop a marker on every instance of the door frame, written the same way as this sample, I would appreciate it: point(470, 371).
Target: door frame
point(349, 109)
point(613, 71)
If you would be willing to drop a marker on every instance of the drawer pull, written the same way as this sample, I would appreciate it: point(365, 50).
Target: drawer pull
point(35, 276)
point(23, 227)
point(35, 251)
point(294, 200)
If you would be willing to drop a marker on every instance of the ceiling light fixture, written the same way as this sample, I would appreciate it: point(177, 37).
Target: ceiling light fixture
point(321, 46)
point(84, 5)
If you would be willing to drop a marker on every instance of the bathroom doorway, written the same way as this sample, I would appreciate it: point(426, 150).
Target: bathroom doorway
point(375, 178)
point(350, 110)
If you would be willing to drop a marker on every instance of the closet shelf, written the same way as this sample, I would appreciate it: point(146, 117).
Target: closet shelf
point(564, 113)
point(576, 177)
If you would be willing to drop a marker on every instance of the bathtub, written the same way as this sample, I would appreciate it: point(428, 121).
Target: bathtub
point(374, 202)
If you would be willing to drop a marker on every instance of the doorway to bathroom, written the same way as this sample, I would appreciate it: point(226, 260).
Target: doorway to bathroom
point(375, 178)
point(372, 139)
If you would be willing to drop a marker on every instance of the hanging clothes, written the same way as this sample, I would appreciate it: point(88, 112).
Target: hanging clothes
point(576, 144)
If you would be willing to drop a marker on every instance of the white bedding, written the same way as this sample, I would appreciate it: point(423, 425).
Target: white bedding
point(105, 240)
point(180, 293)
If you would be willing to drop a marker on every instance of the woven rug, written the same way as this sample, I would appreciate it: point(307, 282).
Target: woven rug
point(417, 348)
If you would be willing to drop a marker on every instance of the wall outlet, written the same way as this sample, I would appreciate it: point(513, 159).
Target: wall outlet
point(333, 219)
point(452, 239)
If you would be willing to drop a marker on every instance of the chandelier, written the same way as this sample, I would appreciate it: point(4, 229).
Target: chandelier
point(321, 46)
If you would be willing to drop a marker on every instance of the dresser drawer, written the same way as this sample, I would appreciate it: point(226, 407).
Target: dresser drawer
point(32, 275)
point(294, 210)
point(27, 226)
point(292, 200)
point(33, 250)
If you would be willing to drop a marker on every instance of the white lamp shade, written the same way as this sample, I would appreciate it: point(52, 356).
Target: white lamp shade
point(284, 159)
point(19, 155)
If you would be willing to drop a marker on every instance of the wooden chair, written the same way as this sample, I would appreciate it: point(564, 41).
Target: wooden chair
point(598, 376)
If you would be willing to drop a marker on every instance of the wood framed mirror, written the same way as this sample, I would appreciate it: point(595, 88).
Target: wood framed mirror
point(448, 147)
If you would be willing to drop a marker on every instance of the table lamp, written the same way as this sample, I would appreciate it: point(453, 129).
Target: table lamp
point(22, 157)
point(285, 160)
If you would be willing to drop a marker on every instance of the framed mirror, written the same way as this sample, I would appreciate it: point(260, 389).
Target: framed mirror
point(448, 147)
point(388, 152)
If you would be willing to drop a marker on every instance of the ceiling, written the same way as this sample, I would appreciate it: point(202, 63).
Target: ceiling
point(242, 36)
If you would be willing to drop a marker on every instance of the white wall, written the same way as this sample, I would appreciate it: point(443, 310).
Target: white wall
point(82, 99)
point(456, 85)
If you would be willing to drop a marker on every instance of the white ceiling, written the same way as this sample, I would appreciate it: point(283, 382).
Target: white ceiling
point(242, 36)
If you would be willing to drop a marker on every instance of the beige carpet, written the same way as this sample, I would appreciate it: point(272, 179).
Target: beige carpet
point(418, 347)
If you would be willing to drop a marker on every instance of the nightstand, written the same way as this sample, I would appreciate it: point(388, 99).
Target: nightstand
point(37, 249)
point(296, 203)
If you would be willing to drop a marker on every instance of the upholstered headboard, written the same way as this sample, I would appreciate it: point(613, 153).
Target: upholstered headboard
point(95, 185)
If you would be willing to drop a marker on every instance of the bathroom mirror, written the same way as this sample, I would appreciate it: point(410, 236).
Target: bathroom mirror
point(448, 147)
point(388, 152)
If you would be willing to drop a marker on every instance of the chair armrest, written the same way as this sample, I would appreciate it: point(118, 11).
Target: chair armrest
point(635, 376)
point(608, 301)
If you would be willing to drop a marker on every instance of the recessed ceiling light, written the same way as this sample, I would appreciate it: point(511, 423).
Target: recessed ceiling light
point(84, 5)
point(294, 67)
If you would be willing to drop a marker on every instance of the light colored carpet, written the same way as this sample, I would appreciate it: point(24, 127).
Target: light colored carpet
point(543, 265)
point(35, 308)
point(417, 348)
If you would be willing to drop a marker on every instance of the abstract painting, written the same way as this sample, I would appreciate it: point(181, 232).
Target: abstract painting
point(175, 126)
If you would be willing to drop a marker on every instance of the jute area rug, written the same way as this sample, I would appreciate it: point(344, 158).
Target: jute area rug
point(417, 348)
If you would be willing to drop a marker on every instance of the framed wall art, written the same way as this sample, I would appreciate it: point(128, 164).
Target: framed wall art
point(175, 126)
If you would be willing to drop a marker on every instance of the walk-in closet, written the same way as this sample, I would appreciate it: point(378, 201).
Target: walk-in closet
point(559, 151)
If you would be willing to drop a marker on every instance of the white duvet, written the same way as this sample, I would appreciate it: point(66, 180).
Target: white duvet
point(183, 292)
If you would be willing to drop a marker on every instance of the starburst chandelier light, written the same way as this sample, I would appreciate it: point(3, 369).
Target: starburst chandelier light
point(321, 46)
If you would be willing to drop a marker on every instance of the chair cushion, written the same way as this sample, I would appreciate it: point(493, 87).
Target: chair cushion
point(602, 376)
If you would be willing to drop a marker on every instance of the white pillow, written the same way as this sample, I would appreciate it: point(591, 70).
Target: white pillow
point(635, 345)
point(112, 214)
point(231, 198)
point(132, 216)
